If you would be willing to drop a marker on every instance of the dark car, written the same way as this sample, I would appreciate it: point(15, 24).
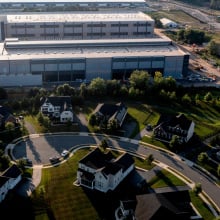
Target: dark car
point(54, 159)
point(149, 127)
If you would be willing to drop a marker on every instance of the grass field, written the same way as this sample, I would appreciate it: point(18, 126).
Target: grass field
point(57, 198)
point(165, 178)
point(180, 17)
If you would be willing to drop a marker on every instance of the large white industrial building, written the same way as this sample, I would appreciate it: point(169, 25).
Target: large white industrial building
point(78, 25)
point(107, 44)
point(54, 5)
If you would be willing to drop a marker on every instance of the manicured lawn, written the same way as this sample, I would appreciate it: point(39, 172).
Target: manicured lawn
point(57, 196)
point(201, 206)
point(165, 178)
point(53, 128)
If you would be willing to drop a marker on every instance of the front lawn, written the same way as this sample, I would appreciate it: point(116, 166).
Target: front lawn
point(164, 178)
point(57, 196)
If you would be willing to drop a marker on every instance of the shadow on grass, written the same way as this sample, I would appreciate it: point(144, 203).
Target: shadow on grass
point(106, 203)
point(160, 176)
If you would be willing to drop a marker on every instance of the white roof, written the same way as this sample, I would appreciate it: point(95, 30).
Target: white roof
point(78, 17)
point(166, 21)
point(72, 52)
point(71, 1)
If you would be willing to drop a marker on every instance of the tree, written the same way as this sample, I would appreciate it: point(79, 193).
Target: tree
point(40, 118)
point(104, 144)
point(150, 159)
point(174, 142)
point(213, 48)
point(218, 170)
point(197, 188)
point(9, 126)
point(83, 90)
point(92, 120)
point(203, 157)
point(3, 93)
point(113, 125)
point(97, 87)
point(139, 79)
point(4, 162)
point(186, 100)
point(208, 97)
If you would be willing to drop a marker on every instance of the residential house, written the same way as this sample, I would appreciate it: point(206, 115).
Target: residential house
point(58, 107)
point(8, 180)
point(102, 171)
point(6, 116)
point(179, 125)
point(170, 205)
point(108, 112)
point(153, 206)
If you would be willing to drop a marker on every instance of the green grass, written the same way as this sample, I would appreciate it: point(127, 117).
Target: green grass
point(164, 178)
point(34, 122)
point(157, 143)
point(180, 17)
point(57, 196)
point(140, 162)
point(201, 206)
point(41, 129)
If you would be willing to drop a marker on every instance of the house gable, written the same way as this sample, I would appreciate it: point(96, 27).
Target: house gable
point(102, 171)
point(179, 125)
point(111, 112)
point(58, 107)
point(8, 180)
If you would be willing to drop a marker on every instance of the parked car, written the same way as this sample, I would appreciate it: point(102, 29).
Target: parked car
point(65, 153)
point(27, 161)
point(54, 159)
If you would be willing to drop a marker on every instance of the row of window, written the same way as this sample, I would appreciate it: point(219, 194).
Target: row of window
point(78, 25)
point(79, 34)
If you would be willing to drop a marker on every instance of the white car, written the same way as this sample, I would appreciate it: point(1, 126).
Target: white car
point(65, 153)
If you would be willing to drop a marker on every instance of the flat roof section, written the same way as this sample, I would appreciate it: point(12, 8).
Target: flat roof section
point(16, 44)
point(78, 17)
point(68, 1)
point(90, 51)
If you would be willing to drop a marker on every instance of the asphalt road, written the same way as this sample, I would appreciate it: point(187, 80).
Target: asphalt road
point(40, 148)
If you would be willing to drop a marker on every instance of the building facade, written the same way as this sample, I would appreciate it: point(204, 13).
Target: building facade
point(102, 171)
point(78, 25)
point(109, 45)
point(57, 5)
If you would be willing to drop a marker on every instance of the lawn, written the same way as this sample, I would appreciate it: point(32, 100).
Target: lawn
point(57, 196)
point(164, 178)
point(180, 17)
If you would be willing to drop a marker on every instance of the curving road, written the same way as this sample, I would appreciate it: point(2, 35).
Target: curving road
point(40, 148)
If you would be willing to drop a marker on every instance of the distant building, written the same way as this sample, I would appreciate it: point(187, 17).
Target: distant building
point(55, 5)
point(102, 171)
point(179, 125)
point(8, 180)
point(58, 107)
point(108, 112)
point(44, 49)
point(6, 116)
point(167, 23)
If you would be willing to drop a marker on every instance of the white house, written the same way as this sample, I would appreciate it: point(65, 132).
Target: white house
point(179, 125)
point(8, 180)
point(102, 171)
point(167, 23)
point(58, 107)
